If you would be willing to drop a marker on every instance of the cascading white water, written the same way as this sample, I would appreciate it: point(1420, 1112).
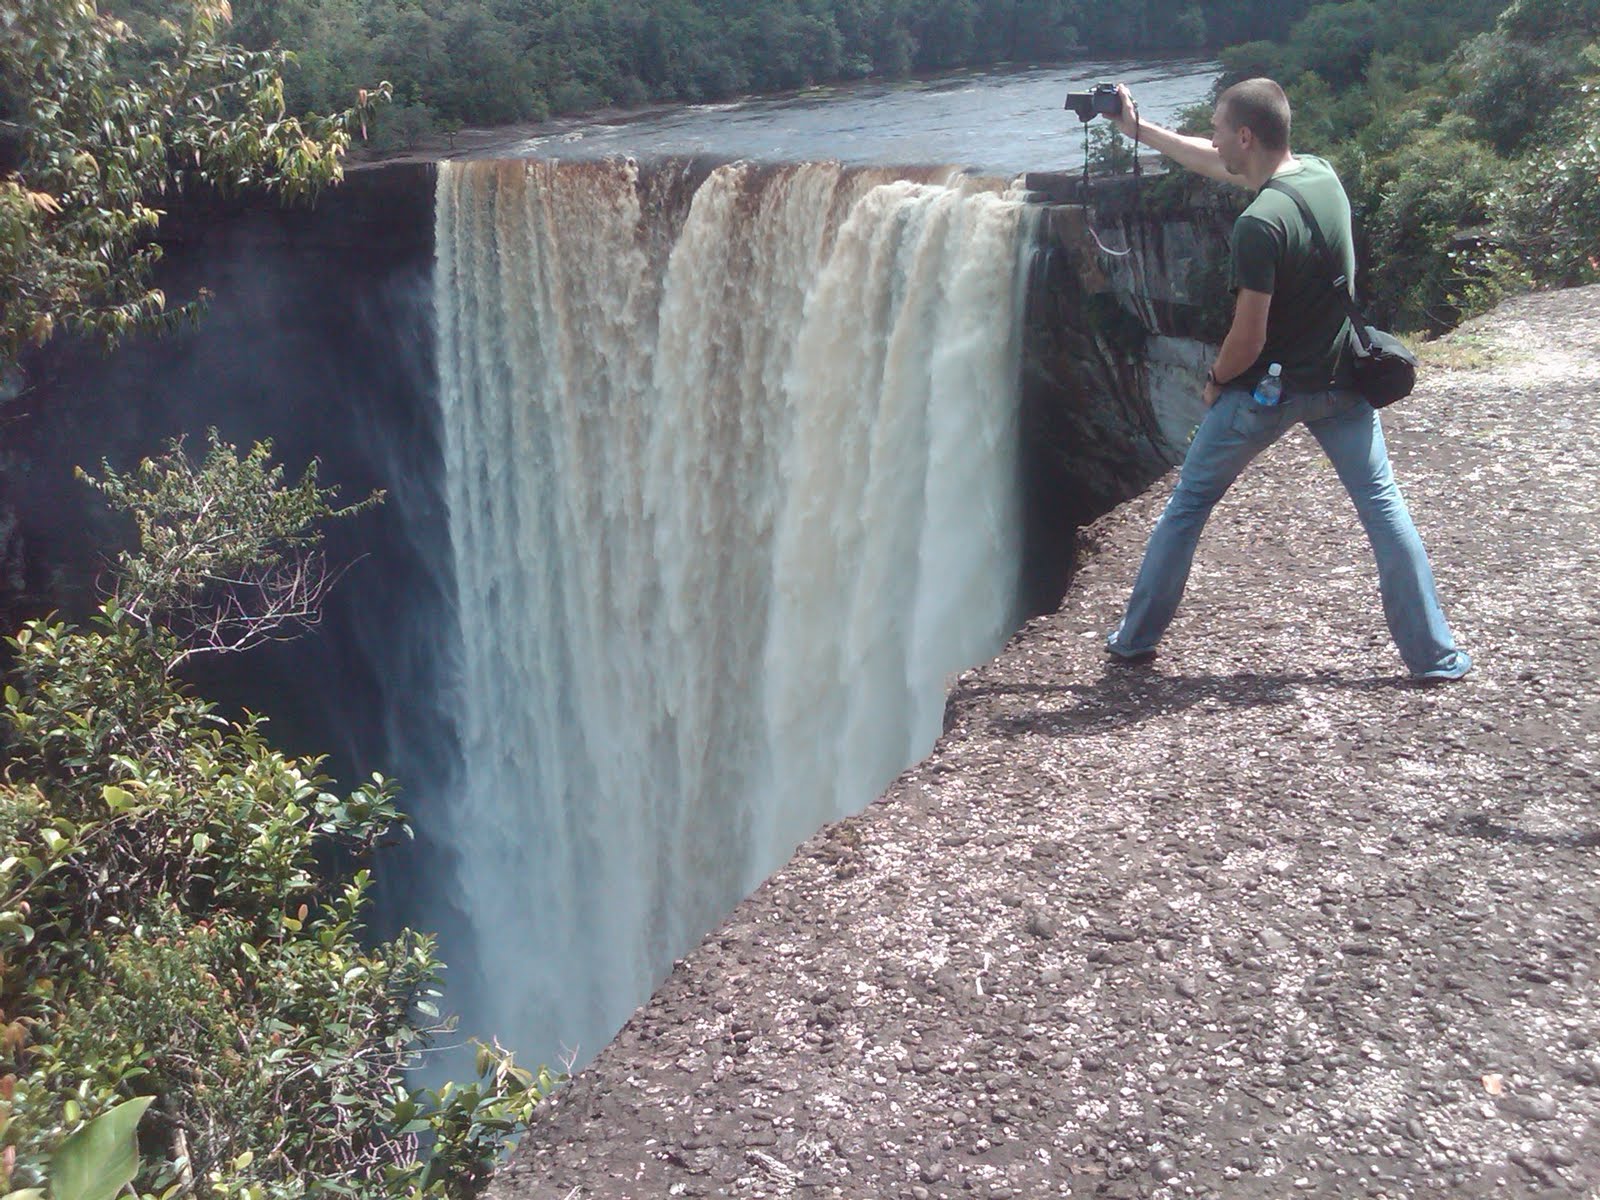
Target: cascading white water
point(733, 491)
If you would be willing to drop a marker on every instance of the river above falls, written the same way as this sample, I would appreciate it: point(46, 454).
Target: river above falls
point(992, 122)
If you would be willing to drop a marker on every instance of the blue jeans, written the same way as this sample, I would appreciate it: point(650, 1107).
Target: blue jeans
point(1233, 432)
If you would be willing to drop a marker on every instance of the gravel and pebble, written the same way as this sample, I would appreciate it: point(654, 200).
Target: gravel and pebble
point(1263, 918)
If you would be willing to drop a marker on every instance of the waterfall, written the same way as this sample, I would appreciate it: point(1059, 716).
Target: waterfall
point(732, 485)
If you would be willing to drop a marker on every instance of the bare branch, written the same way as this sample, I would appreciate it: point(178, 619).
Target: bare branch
point(276, 604)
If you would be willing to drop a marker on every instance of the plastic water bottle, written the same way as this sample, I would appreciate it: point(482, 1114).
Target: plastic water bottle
point(1270, 390)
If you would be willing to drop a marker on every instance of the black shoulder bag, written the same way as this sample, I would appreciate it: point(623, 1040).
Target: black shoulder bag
point(1385, 370)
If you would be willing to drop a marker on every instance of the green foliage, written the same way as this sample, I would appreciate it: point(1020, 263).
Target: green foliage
point(1339, 39)
point(1338, 42)
point(1194, 120)
point(403, 127)
point(1435, 185)
point(169, 938)
point(1549, 208)
point(227, 553)
point(1470, 156)
point(1508, 85)
point(1252, 60)
point(108, 121)
point(1546, 19)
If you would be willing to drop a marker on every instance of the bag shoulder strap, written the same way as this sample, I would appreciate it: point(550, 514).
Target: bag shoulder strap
point(1341, 281)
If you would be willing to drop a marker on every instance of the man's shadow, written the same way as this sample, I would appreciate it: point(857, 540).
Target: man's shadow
point(1129, 695)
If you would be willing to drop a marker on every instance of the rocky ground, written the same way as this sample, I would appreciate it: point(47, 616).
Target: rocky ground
point(1261, 919)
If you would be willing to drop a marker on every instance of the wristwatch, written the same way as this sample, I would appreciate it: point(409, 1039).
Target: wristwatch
point(1211, 377)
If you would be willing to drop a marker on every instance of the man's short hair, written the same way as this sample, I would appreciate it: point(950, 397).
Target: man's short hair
point(1260, 106)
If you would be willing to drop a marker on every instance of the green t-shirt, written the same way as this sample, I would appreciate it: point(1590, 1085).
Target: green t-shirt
point(1307, 329)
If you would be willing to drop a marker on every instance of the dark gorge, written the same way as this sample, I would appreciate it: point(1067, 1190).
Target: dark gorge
point(762, 358)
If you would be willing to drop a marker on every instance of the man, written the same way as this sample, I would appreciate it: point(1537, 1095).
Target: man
point(1285, 311)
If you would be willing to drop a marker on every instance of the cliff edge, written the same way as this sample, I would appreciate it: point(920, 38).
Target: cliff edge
point(1260, 919)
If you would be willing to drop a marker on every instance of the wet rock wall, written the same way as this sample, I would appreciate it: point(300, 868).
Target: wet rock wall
point(1127, 299)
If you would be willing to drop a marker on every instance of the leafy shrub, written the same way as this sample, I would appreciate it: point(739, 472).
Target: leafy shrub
point(1190, 27)
point(105, 123)
point(1109, 152)
point(1194, 119)
point(169, 939)
point(1551, 18)
point(1250, 60)
point(1325, 117)
point(1510, 87)
point(1434, 186)
point(1336, 40)
point(1550, 207)
point(573, 96)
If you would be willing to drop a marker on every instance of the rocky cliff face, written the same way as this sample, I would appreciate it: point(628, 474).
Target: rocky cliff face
point(1129, 291)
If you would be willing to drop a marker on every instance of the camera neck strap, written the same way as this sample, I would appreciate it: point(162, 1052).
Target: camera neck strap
point(1341, 281)
point(1138, 173)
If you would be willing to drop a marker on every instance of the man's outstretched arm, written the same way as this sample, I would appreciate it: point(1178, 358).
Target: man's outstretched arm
point(1195, 153)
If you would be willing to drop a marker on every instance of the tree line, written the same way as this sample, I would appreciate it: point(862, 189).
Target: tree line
point(484, 62)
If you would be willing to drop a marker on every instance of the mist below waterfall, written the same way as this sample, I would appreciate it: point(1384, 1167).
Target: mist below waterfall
point(731, 470)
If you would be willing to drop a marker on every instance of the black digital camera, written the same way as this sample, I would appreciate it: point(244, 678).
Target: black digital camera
point(1103, 101)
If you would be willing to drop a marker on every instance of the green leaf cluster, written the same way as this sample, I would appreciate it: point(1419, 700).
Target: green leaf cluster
point(99, 123)
point(174, 954)
point(227, 552)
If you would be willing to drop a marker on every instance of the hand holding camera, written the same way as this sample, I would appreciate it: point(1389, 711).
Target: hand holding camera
point(1105, 100)
point(1110, 100)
